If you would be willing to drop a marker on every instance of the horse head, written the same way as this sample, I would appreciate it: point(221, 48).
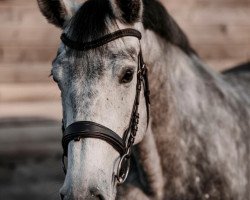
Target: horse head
point(100, 72)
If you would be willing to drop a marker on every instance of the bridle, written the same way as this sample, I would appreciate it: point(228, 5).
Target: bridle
point(89, 129)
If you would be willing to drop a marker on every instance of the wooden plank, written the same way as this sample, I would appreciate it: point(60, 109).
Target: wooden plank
point(35, 134)
point(20, 150)
point(219, 35)
point(195, 14)
point(228, 51)
point(25, 122)
point(29, 92)
point(18, 3)
point(24, 36)
point(21, 16)
point(27, 36)
point(25, 73)
point(49, 110)
point(180, 2)
point(218, 15)
point(25, 54)
point(223, 2)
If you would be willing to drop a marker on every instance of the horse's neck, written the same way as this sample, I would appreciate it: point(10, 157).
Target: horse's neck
point(191, 119)
point(182, 88)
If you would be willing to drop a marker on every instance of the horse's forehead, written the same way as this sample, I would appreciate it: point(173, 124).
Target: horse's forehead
point(92, 63)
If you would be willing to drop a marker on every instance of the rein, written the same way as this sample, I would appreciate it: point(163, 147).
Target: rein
point(88, 129)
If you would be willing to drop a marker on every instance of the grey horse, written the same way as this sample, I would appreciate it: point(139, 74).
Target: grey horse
point(196, 145)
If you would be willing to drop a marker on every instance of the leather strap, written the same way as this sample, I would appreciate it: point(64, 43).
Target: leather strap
point(88, 129)
point(100, 41)
point(145, 84)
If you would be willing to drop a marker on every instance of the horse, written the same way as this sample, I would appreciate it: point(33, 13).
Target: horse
point(194, 142)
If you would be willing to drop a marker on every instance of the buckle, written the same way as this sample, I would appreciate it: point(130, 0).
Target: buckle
point(123, 168)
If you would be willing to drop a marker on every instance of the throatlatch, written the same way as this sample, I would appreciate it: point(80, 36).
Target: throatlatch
point(88, 129)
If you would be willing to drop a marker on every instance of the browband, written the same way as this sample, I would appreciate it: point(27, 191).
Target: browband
point(100, 41)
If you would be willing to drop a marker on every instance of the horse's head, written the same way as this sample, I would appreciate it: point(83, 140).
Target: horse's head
point(99, 74)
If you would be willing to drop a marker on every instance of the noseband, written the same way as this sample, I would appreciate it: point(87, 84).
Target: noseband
point(88, 129)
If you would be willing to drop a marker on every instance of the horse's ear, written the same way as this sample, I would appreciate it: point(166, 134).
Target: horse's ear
point(57, 12)
point(128, 11)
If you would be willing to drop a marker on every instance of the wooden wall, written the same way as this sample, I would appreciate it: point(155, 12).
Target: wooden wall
point(218, 29)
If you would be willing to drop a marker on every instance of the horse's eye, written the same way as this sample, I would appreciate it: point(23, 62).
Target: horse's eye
point(127, 76)
point(54, 79)
point(51, 75)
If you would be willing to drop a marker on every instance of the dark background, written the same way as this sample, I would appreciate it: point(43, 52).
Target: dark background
point(30, 110)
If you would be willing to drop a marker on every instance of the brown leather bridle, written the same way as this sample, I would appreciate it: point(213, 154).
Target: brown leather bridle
point(88, 129)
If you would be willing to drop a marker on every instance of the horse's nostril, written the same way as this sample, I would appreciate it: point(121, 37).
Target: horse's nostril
point(62, 196)
point(95, 192)
point(100, 197)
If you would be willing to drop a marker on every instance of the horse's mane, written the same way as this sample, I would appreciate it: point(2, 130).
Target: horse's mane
point(91, 21)
point(157, 19)
point(95, 16)
point(240, 68)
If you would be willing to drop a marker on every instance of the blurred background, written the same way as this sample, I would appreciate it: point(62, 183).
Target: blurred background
point(30, 110)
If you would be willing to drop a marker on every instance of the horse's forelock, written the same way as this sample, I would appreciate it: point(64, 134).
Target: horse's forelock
point(93, 20)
